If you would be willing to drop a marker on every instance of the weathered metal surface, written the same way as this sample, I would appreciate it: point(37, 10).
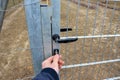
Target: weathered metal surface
point(3, 6)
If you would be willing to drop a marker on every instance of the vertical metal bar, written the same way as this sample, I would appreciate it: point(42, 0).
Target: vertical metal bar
point(102, 26)
point(105, 10)
point(116, 29)
point(77, 21)
point(94, 27)
point(3, 6)
point(46, 30)
point(107, 38)
point(111, 19)
point(55, 20)
point(67, 34)
point(85, 29)
point(76, 34)
point(67, 24)
point(77, 18)
point(35, 32)
point(108, 31)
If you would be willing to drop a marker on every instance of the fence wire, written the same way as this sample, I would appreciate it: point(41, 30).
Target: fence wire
point(96, 24)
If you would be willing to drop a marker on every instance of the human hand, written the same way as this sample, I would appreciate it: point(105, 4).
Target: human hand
point(54, 62)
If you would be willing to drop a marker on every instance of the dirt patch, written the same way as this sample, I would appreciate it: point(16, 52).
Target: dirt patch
point(8, 20)
point(15, 62)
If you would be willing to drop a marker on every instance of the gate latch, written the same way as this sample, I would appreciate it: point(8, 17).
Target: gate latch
point(55, 51)
point(65, 29)
point(57, 39)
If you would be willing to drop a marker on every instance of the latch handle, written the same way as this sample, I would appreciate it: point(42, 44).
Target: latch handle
point(55, 51)
point(57, 39)
point(65, 29)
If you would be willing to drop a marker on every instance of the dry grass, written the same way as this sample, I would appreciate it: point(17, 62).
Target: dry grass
point(12, 6)
point(16, 63)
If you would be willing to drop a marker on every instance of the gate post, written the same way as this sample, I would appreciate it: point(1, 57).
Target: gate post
point(46, 29)
point(55, 20)
point(39, 19)
point(32, 9)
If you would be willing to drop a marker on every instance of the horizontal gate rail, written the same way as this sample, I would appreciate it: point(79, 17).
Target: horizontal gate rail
point(91, 63)
point(95, 36)
point(114, 78)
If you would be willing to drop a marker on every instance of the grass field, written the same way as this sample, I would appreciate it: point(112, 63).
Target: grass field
point(16, 63)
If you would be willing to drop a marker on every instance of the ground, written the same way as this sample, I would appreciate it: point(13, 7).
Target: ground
point(15, 55)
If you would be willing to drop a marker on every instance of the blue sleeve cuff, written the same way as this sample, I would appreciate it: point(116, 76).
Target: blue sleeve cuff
point(52, 72)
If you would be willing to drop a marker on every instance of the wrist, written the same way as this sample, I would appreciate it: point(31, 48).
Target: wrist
point(52, 72)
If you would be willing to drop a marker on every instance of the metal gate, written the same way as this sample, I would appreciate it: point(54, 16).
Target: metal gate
point(94, 25)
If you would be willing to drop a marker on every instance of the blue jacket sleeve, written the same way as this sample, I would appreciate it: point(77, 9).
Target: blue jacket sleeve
point(47, 74)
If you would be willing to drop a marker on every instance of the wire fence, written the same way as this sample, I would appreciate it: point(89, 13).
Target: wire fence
point(94, 56)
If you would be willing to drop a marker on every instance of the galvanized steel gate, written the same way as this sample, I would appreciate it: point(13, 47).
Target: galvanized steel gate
point(95, 27)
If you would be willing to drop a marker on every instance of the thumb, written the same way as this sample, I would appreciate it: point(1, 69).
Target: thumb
point(56, 59)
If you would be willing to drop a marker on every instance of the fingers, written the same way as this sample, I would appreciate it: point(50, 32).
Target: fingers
point(54, 62)
point(56, 59)
point(61, 62)
point(50, 59)
point(47, 62)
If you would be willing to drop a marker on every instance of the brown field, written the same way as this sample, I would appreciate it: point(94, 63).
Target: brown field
point(15, 55)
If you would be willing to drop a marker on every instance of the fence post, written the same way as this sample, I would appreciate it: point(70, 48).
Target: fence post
point(46, 29)
point(40, 29)
point(33, 15)
point(3, 6)
point(55, 20)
